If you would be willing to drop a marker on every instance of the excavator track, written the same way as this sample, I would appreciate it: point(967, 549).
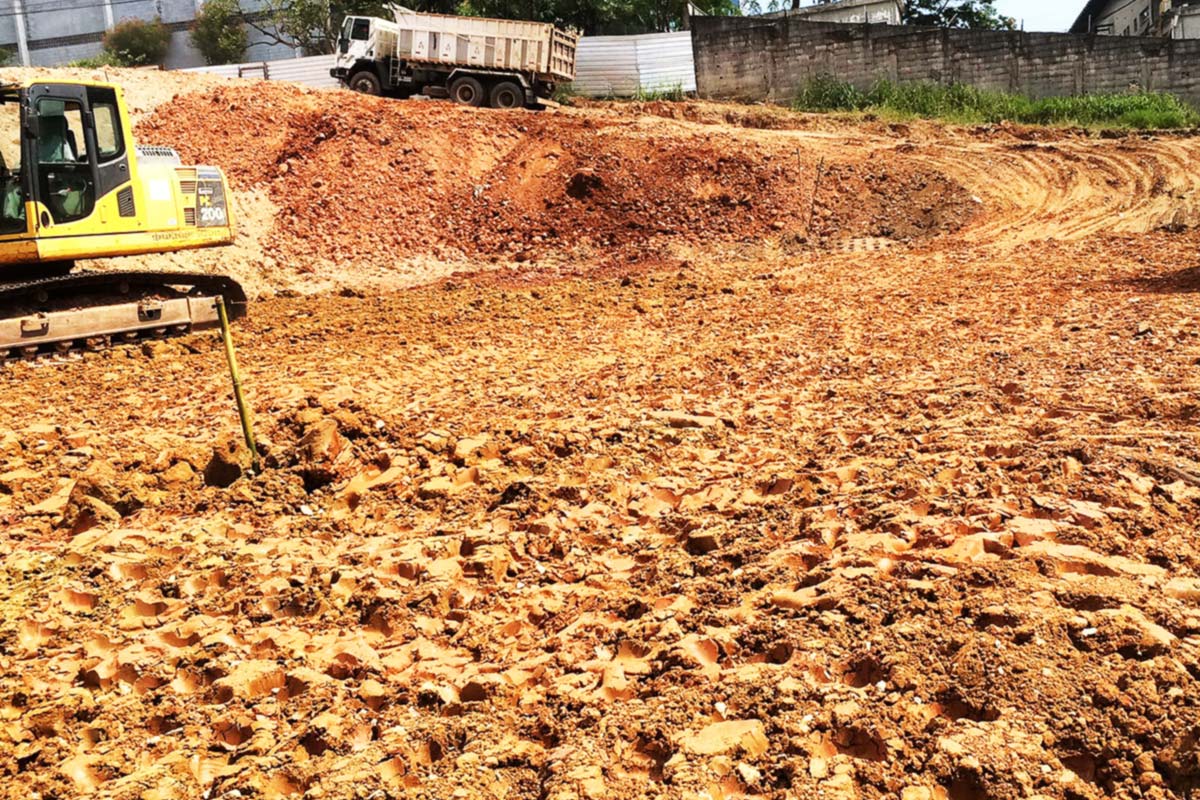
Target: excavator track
point(94, 309)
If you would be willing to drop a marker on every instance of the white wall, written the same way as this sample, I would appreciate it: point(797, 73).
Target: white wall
point(1188, 24)
point(311, 71)
point(884, 11)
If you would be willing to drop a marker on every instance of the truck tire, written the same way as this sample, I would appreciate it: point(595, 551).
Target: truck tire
point(365, 82)
point(507, 94)
point(468, 91)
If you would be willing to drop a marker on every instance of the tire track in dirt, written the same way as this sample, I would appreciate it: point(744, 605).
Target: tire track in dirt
point(1071, 189)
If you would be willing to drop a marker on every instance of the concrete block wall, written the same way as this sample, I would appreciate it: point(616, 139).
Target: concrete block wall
point(757, 59)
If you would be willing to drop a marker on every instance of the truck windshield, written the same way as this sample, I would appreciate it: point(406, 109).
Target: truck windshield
point(12, 203)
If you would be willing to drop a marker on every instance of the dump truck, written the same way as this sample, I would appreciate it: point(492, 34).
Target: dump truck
point(74, 185)
point(472, 60)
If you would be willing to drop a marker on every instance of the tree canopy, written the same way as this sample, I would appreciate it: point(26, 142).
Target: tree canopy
point(957, 14)
point(218, 32)
point(137, 42)
point(313, 25)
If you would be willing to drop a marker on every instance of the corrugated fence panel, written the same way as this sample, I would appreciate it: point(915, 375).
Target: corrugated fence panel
point(224, 70)
point(622, 65)
point(665, 61)
point(311, 71)
point(606, 65)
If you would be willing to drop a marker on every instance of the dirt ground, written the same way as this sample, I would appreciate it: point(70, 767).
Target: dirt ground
point(659, 450)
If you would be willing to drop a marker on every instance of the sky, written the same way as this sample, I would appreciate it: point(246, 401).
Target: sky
point(1041, 15)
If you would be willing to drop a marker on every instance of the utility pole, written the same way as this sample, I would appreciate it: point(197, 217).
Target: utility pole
point(108, 15)
point(22, 34)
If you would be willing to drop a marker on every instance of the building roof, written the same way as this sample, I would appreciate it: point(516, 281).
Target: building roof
point(833, 5)
point(1090, 9)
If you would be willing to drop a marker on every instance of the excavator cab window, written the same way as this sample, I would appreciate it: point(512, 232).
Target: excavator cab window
point(12, 195)
point(64, 169)
point(108, 123)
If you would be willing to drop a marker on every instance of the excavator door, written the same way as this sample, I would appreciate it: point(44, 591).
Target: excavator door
point(75, 145)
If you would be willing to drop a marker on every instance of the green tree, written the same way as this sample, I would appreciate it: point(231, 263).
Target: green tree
point(138, 42)
point(599, 17)
point(311, 25)
point(957, 14)
point(218, 32)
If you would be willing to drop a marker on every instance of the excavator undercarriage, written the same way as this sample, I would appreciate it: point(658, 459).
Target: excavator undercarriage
point(94, 310)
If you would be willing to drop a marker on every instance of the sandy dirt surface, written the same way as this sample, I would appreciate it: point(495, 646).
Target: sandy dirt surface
point(714, 453)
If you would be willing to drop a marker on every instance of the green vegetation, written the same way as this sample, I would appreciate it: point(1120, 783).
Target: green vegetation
point(311, 25)
point(674, 93)
point(137, 43)
point(957, 14)
point(966, 104)
point(95, 62)
point(565, 94)
point(218, 32)
point(591, 17)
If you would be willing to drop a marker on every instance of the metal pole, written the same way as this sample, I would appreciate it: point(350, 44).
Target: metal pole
point(812, 206)
point(243, 411)
point(22, 34)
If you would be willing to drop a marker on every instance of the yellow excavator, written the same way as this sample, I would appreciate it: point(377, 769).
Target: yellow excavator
point(74, 185)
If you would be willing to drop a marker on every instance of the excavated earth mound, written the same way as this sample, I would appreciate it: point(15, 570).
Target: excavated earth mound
point(364, 184)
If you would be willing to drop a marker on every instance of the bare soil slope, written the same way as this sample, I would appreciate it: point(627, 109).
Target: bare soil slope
point(890, 493)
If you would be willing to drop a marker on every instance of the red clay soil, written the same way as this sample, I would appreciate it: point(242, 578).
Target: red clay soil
point(372, 181)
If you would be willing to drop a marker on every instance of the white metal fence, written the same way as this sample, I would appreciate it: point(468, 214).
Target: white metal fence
point(605, 66)
point(624, 65)
point(311, 71)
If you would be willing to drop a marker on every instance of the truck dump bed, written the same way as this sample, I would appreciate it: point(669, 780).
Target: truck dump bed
point(536, 47)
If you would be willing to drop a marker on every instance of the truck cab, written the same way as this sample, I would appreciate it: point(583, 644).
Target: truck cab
point(357, 53)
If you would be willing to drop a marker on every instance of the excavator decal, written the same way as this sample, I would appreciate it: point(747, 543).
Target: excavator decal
point(210, 192)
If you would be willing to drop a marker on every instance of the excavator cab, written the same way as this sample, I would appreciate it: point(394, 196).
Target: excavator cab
point(62, 144)
point(74, 185)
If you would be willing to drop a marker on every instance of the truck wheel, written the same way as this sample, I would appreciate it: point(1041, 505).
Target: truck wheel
point(366, 82)
point(467, 91)
point(507, 94)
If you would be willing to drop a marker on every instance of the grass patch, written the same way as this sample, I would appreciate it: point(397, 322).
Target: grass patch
point(966, 104)
point(565, 94)
point(104, 59)
point(673, 93)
